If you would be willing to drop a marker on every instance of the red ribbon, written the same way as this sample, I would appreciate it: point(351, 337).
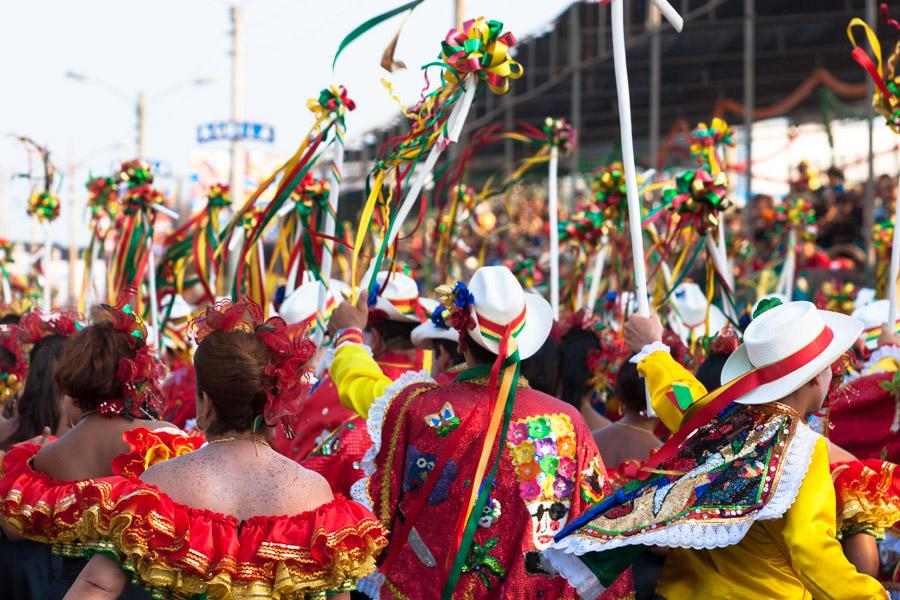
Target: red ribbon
point(734, 390)
point(860, 56)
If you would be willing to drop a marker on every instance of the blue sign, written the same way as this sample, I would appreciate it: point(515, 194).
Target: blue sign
point(235, 130)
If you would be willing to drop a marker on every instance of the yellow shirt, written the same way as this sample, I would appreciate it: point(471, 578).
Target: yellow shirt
point(795, 557)
point(357, 377)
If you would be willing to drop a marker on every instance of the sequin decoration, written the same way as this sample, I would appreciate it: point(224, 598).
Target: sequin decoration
point(417, 469)
point(542, 449)
point(444, 421)
point(481, 563)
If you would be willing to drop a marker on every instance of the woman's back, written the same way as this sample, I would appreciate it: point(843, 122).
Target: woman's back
point(241, 478)
point(87, 450)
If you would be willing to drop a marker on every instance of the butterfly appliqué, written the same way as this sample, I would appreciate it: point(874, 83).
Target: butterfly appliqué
point(444, 421)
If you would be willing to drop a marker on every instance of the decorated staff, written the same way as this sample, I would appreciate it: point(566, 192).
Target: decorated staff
point(6, 257)
point(103, 204)
point(133, 257)
point(886, 100)
point(796, 216)
point(634, 207)
point(294, 184)
point(335, 102)
point(44, 206)
point(474, 55)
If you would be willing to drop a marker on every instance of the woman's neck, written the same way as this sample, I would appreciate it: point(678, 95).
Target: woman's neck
point(637, 420)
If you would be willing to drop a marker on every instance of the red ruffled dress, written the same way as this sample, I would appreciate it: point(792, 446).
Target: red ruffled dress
point(47, 510)
point(176, 551)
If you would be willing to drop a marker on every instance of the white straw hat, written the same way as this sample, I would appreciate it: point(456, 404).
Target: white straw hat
point(873, 315)
point(690, 305)
point(781, 332)
point(430, 330)
point(499, 301)
point(302, 304)
point(399, 298)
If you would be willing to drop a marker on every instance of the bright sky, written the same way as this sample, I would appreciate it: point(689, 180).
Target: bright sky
point(156, 46)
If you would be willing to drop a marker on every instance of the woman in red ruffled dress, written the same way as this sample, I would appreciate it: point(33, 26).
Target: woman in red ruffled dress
point(109, 376)
point(234, 519)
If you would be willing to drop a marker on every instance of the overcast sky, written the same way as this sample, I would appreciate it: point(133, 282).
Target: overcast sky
point(155, 46)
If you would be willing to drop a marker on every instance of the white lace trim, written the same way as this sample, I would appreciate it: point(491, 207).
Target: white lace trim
point(693, 535)
point(370, 585)
point(648, 350)
point(575, 572)
point(879, 355)
point(375, 423)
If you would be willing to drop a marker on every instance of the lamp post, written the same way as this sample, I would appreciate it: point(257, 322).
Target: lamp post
point(139, 100)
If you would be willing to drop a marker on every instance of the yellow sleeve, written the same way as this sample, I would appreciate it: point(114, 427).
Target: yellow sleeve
point(661, 372)
point(809, 534)
point(885, 365)
point(358, 378)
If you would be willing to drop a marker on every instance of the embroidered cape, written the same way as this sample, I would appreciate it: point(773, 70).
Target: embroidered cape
point(549, 470)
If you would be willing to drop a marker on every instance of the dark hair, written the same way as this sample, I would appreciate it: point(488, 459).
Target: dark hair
point(574, 348)
point(86, 370)
point(541, 369)
point(481, 355)
point(231, 370)
point(392, 330)
point(39, 404)
point(630, 387)
point(710, 371)
point(10, 319)
point(451, 348)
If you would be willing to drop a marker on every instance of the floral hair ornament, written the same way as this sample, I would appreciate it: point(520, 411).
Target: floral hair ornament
point(291, 352)
point(35, 325)
point(140, 375)
point(12, 375)
point(456, 307)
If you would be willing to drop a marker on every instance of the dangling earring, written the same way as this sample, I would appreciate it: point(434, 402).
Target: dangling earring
point(197, 426)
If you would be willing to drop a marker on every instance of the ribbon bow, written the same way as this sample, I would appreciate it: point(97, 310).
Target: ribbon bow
point(698, 196)
point(332, 100)
point(796, 213)
point(836, 298)
point(707, 139)
point(887, 85)
point(103, 193)
point(480, 48)
point(608, 187)
point(586, 226)
point(44, 206)
point(559, 133)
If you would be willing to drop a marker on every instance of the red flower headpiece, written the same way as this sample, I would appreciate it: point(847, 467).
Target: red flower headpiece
point(35, 325)
point(291, 352)
point(12, 376)
point(139, 376)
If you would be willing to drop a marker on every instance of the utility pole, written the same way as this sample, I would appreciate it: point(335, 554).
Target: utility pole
point(72, 214)
point(655, 59)
point(139, 113)
point(749, 91)
point(459, 15)
point(236, 180)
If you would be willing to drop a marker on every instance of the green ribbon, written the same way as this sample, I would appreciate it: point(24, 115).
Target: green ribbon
point(376, 20)
point(485, 491)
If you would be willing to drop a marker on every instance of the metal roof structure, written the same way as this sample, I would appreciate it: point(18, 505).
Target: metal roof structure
point(797, 47)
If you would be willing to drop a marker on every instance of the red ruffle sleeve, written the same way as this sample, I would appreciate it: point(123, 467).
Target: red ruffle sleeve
point(868, 496)
point(151, 447)
point(179, 551)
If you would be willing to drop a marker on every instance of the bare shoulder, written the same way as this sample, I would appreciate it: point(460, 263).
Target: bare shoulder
point(309, 490)
point(170, 472)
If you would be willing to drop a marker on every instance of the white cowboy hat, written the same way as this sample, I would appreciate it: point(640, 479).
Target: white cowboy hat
point(499, 301)
point(399, 298)
point(302, 304)
point(429, 330)
point(873, 315)
point(690, 305)
point(773, 296)
point(863, 297)
point(781, 332)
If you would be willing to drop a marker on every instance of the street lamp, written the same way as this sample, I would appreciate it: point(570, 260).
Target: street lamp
point(140, 101)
